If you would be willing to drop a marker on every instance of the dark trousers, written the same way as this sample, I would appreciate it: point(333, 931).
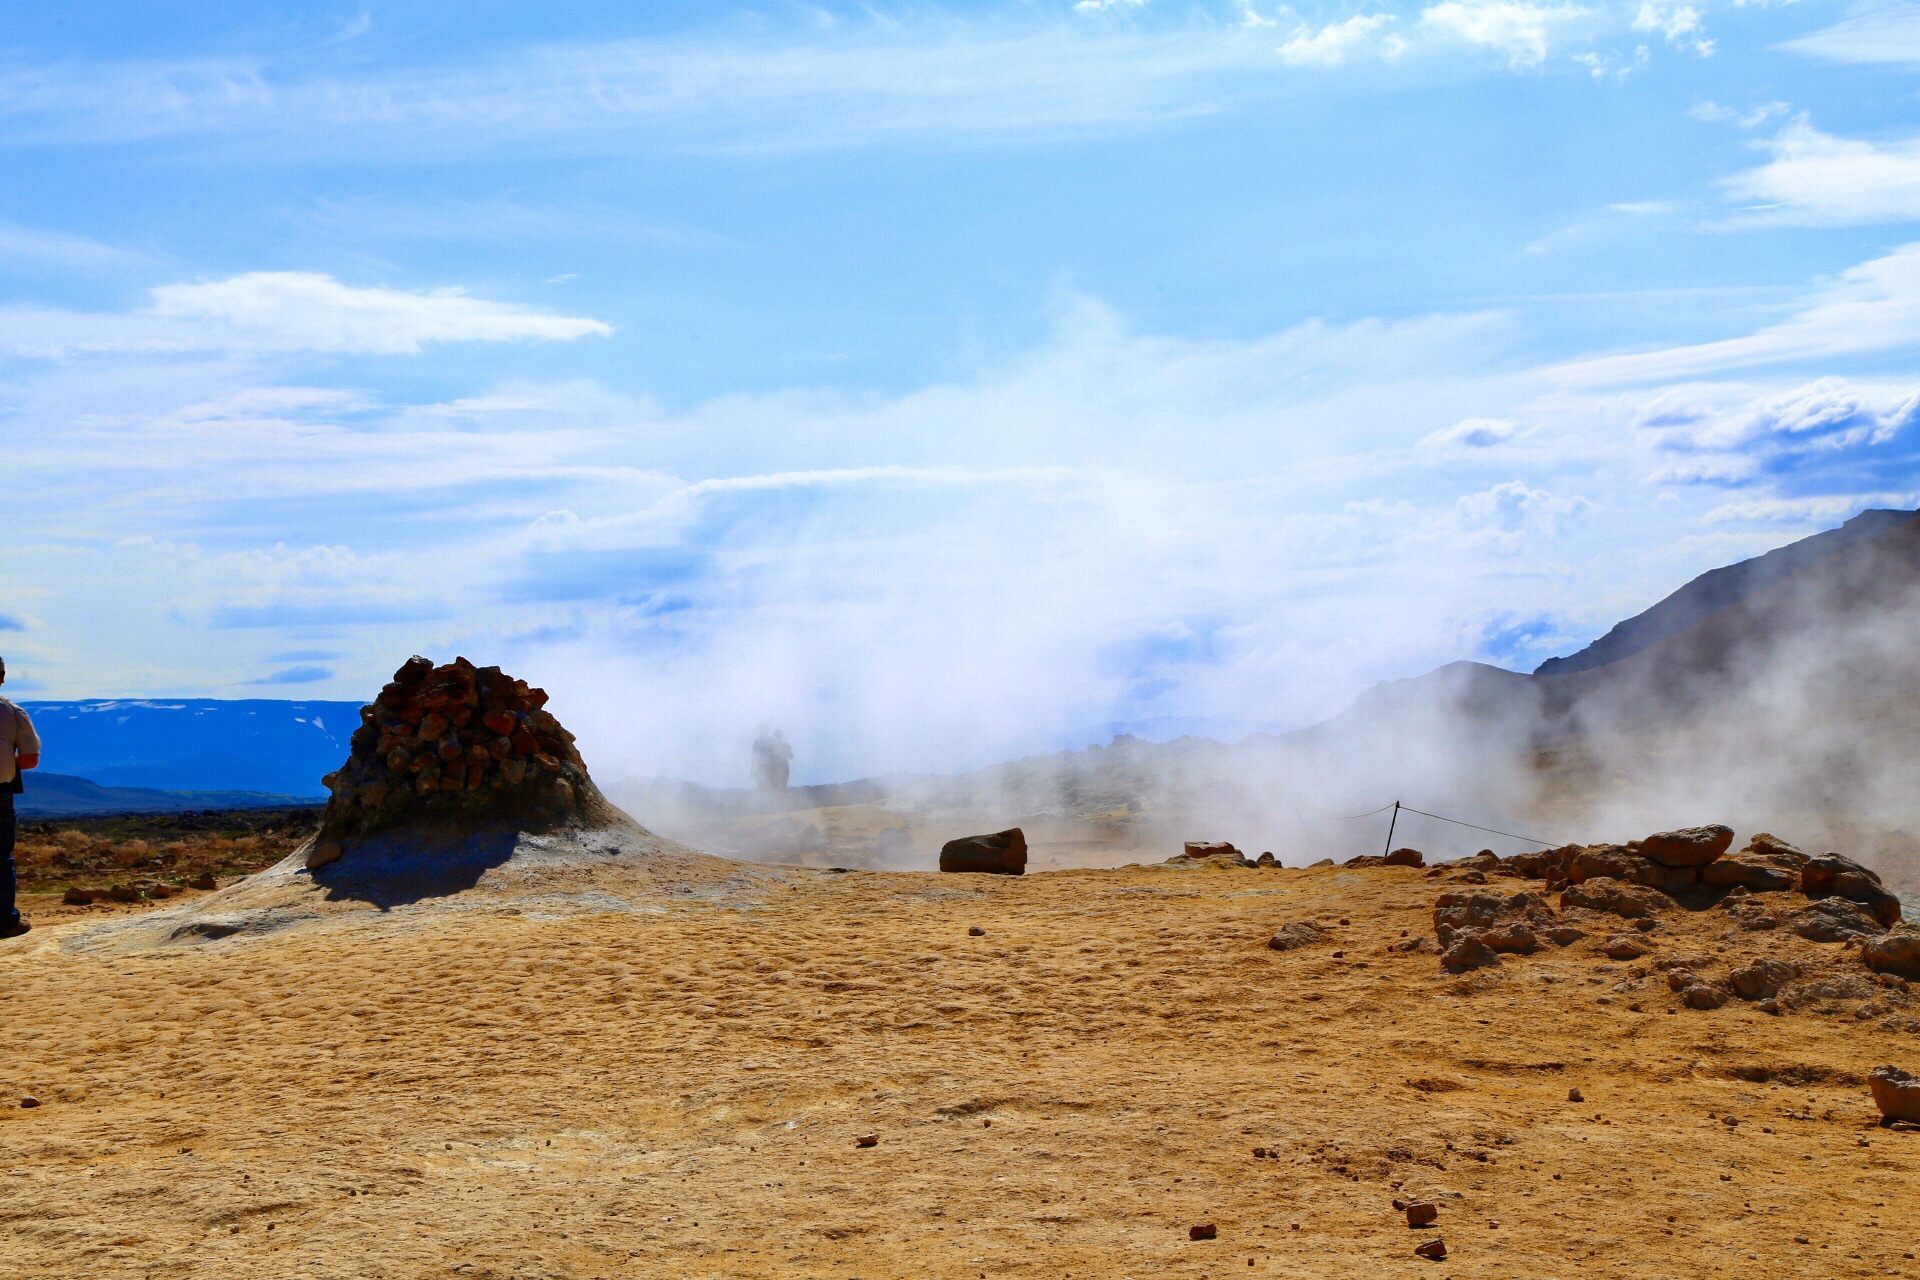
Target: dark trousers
point(9, 910)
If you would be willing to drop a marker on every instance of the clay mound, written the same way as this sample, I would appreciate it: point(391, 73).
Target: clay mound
point(456, 749)
point(461, 792)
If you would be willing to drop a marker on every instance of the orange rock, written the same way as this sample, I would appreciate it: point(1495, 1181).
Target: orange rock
point(524, 743)
point(546, 761)
point(433, 727)
point(502, 723)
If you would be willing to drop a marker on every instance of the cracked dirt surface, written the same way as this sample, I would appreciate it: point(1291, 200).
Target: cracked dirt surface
point(660, 1080)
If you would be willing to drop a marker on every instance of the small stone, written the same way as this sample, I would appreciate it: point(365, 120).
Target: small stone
point(1626, 947)
point(1435, 1249)
point(1469, 951)
point(1574, 1095)
point(1800, 1240)
point(976, 932)
point(1703, 996)
point(1205, 1231)
point(123, 893)
point(1259, 1153)
point(1730, 1121)
point(1399, 1205)
point(867, 1140)
point(1422, 1213)
point(77, 897)
point(204, 880)
point(29, 1102)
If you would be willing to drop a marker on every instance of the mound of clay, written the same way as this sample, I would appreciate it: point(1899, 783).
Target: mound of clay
point(455, 749)
point(1003, 853)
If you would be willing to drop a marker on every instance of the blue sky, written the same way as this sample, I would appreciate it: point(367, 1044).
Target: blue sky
point(935, 382)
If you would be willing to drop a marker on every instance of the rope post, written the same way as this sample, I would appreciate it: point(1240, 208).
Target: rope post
point(1391, 824)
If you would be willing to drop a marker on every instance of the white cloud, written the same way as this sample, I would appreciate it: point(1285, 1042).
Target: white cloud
point(1329, 46)
point(1095, 6)
point(1470, 433)
point(1515, 28)
point(1679, 23)
point(1714, 113)
point(269, 311)
point(1816, 179)
point(1886, 33)
point(1868, 308)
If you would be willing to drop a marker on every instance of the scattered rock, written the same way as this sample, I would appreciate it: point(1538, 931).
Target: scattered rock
point(29, 1102)
point(1751, 915)
point(1896, 951)
point(1003, 853)
point(867, 1140)
point(123, 893)
point(1564, 935)
point(78, 897)
point(1422, 1213)
point(1435, 1249)
point(1609, 895)
point(1830, 875)
point(1688, 847)
point(1405, 858)
point(1574, 1095)
point(976, 932)
point(1703, 995)
point(1205, 1231)
point(1512, 939)
point(1766, 865)
point(1296, 934)
point(1833, 920)
point(1266, 860)
point(1481, 861)
point(1465, 909)
point(1762, 979)
point(204, 880)
point(1469, 951)
point(1625, 946)
point(1895, 1092)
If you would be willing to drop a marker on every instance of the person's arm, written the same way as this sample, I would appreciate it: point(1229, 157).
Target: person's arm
point(26, 743)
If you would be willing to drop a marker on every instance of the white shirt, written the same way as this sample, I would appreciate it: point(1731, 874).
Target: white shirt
point(17, 738)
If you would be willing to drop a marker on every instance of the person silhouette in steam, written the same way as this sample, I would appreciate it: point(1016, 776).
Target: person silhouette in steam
point(772, 759)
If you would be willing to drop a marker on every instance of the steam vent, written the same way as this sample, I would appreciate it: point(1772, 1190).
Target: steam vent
point(451, 749)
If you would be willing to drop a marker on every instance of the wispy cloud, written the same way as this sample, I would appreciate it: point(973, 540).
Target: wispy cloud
point(1886, 33)
point(268, 311)
point(60, 250)
point(1868, 308)
point(1817, 179)
point(1515, 28)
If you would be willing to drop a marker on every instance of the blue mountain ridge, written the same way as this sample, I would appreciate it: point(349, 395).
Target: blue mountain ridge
point(186, 744)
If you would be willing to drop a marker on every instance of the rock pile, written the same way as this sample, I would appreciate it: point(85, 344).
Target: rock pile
point(454, 746)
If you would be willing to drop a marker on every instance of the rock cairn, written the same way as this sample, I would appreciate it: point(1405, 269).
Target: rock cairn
point(454, 746)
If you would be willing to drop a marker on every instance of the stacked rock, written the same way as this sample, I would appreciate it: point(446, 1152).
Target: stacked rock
point(453, 744)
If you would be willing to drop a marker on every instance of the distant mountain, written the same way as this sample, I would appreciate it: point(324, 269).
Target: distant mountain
point(184, 744)
point(1718, 588)
point(55, 795)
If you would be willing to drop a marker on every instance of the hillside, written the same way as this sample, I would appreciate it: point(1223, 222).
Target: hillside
point(186, 744)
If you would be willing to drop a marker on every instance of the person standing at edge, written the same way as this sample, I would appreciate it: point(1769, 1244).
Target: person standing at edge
point(19, 751)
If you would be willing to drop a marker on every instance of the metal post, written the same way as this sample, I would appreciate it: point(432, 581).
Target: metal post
point(1391, 823)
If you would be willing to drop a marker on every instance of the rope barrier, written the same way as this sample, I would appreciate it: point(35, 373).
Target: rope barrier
point(1397, 807)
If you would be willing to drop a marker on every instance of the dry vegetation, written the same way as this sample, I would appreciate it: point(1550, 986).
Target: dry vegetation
point(155, 856)
point(571, 1078)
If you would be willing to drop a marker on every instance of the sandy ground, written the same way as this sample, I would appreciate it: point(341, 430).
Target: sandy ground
point(664, 1072)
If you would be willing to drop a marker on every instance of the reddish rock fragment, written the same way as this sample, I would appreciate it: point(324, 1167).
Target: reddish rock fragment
point(1435, 1249)
point(1205, 1231)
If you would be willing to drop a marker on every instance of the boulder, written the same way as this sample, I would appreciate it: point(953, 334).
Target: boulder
point(1830, 875)
point(1745, 870)
point(1541, 864)
point(1464, 909)
point(1762, 979)
point(1687, 847)
point(1469, 951)
point(1266, 860)
point(1485, 860)
point(1004, 853)
point(1773, 849)
point(1405, 858)
point(1198, 849)
point(1591, 862)
point(1833, 920)
point(1613, 896)
point(1512, 938)
point(1703, 995)
point(1896, 951)
point(1627, 946)
point(1296, 934)
point(1896, 1093)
